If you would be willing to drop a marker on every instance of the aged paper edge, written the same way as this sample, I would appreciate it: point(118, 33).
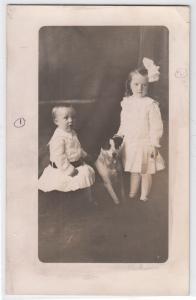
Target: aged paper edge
point(25, 273)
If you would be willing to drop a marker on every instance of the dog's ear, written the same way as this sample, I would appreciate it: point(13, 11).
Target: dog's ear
point(117, 141)
point(106, 145)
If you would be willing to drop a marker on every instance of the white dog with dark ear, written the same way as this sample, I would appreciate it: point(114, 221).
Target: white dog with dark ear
point(109, 167)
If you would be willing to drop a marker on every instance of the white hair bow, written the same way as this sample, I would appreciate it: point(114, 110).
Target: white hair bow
point(153, 70)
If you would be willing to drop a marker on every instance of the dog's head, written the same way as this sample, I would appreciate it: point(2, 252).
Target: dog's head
point(112, 146)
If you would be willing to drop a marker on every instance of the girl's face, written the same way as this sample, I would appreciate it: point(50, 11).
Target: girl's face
point(139, 85)
point(65, 119)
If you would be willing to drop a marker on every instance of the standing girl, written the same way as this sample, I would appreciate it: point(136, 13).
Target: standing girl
point(142, 127)
point(67, 170)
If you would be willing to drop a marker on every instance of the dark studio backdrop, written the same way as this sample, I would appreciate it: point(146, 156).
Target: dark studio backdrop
point(89, 67)
point(92, 63)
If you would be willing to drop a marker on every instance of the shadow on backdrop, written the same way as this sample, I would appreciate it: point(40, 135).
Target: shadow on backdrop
point(92, 63)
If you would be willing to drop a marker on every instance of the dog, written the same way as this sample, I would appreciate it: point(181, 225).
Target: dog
point(109, 167)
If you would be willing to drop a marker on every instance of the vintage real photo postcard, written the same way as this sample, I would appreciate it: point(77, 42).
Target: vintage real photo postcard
point(97, 150)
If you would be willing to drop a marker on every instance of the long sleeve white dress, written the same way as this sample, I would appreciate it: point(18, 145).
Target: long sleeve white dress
point(65, 149)
point(142, 127)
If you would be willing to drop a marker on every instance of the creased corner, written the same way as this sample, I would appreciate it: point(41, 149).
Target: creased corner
point(184, 12)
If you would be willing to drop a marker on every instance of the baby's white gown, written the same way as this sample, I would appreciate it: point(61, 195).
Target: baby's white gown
point(142, 127)
point(64, 149)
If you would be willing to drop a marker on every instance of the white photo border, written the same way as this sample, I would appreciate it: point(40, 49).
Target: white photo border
point(192, 119)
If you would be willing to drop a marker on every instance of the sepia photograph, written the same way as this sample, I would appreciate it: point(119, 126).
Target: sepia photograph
point(97, 157)
point(103, 144)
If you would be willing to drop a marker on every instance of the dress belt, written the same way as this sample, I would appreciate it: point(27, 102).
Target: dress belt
point(76, 164)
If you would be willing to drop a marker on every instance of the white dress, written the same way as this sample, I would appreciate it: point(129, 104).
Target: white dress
point(142, 127)
point(65, 148)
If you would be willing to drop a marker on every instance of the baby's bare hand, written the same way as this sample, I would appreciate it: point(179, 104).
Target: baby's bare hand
point(74, 173)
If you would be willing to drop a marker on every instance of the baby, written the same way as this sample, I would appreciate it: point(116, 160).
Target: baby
point(67, 170)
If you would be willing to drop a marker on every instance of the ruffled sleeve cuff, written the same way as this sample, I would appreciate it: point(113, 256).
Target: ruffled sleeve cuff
point(155, 143)
point(124, 102)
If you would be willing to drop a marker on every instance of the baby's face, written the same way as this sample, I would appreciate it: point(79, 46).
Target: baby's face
point(139, 85)
point(65, 119)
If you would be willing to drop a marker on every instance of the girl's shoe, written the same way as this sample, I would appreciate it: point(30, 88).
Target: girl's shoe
point(132, 195)
point(144, 199)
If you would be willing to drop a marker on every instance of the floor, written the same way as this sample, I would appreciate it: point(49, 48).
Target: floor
point(74, 229)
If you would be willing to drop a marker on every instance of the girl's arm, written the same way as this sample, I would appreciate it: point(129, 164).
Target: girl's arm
point(123, 118)
point(58, 156)
point(156, 125)
point(121, 129)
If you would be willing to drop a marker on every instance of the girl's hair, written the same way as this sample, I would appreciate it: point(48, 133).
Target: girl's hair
point(142, 71)
point(57, 109)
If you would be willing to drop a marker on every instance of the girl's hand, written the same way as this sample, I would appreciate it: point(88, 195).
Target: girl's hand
point(154, 152)
point(74, 173)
